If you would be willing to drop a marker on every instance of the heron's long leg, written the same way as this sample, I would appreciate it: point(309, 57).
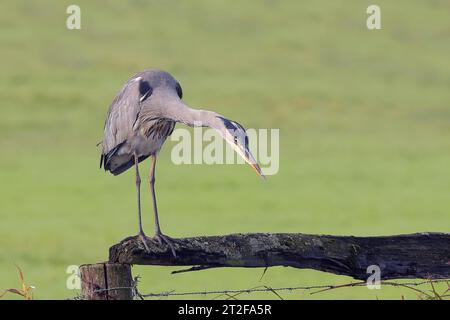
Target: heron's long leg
point(151, 180)
point(141, 234)
point(159, 236)
point(138, 189)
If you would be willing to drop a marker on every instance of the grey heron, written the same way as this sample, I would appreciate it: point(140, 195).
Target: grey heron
point(141, 116)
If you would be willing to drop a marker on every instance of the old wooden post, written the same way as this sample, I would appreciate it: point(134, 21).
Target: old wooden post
point(106, 281)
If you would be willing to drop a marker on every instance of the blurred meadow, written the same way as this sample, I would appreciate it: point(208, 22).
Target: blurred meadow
point(364, 119)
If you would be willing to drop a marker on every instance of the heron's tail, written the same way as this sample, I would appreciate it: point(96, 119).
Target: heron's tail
point(118, 164)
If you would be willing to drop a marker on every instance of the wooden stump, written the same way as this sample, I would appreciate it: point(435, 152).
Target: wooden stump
point(106, 281)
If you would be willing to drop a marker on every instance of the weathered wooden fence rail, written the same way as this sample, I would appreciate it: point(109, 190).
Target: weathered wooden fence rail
point(421, 255)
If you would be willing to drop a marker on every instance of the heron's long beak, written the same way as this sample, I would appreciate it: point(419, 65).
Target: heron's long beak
point(243, 151)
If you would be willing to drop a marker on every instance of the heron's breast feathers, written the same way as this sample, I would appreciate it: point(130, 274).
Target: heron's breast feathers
point(158, 128)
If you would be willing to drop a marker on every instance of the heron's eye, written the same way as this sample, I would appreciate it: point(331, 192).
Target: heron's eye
point(179, 90)
point(145, 90)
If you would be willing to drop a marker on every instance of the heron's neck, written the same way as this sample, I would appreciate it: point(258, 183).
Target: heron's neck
point(194, 117)
point(202, 118)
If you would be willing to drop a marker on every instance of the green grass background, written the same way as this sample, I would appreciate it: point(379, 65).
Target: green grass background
point(364, 121)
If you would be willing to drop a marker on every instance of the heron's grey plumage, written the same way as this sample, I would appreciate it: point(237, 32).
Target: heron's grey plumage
point(141, 117)
point(136, 123)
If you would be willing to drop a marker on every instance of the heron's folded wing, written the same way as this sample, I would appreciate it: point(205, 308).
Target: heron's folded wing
point(122, 115)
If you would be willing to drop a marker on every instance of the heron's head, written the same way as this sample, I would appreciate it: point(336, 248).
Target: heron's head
point(237, 138)
point(155, 80)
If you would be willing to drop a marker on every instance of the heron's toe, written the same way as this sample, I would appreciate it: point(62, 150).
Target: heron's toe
point(162, 239)
point(143, 239)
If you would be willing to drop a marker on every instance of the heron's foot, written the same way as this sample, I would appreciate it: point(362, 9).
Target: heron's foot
point(162, 238)
point(143, 238)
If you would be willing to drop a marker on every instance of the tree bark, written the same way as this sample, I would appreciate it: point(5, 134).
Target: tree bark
point(422, 255)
